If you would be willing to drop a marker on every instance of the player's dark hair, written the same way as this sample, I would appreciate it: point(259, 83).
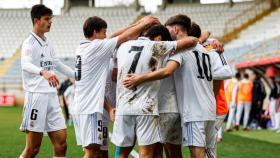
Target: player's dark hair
point(182, 20)
point(93, 24)
point(39, 10)
point(195, 30)
point(246, 76)
point(159, 30)
point(237, 75)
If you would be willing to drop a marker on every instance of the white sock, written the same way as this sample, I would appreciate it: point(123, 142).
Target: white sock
point(20, 156)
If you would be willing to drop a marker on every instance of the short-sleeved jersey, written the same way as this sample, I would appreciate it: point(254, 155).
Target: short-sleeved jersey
point(194, 83)
point(140, 56)
point(167, 101)
point(92, 61)
point(40, 54)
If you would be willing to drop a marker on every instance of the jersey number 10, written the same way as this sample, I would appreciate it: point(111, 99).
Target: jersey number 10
point(205, 67)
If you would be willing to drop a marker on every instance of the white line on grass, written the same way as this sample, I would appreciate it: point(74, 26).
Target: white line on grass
point(133, 153)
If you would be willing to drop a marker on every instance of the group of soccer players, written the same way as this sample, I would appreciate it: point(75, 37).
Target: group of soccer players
point(154, 81)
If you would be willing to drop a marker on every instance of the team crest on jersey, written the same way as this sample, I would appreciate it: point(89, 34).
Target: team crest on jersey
point(31, 124)
point(100, 137)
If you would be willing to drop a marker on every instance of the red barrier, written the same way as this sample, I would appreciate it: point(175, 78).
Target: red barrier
point(7, 100)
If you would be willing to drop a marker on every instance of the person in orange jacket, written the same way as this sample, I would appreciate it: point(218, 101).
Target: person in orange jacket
point(243, 92)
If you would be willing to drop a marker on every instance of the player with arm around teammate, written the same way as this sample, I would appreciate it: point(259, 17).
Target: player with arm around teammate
point(196, 86)
point(92, 60)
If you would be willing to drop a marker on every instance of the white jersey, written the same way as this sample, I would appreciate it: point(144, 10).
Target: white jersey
point(167, 101)
point(92, 62)
point(70, 93)
point(36, 55)
point(194, 83)
point(140, 56)
point(110, 89)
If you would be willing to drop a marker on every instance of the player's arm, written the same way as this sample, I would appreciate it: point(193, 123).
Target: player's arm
point(134, 31)
point(221, 69)
point(26, 64)
point(110, 110)
point(135, 79)
point(185, 43)
point(119, 32)
point(204, 36)
point(64, 69)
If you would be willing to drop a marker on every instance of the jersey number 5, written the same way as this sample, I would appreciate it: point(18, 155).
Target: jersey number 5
point(205, 66)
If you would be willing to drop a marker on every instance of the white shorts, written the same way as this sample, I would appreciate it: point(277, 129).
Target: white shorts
point(90, 129)
point(42, 113)
point(144, 128)
point(199, 134)
point(105, 135)
point(170, 128)
point(76, 128)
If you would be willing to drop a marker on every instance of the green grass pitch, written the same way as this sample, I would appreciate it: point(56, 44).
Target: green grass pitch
point(253, 144)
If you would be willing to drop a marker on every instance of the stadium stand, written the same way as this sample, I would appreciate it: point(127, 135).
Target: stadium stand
point(258, 42)
point(212, 17)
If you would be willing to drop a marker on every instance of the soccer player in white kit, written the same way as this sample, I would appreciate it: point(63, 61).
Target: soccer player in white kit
point(137, 109)
point(92, 60)
point(192, 92)
point(42, 112)
point(110, 96)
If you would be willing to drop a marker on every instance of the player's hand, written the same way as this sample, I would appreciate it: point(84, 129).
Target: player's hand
point(52, 79)
point(149, 20)
point(112, 114)
point(218, 46)
point(132, 81)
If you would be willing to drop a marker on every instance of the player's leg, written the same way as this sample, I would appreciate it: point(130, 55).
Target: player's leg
point(58, 139)
point(55, 126)
point(240, 108)
point(194, 137)
point(159, 151)
point(90, 128)
point(174, 150)
point(123, 152)
point(247, 110)
point(148, 135)
point(171, 133)
point(33, 123)
point(33, 143)
point(147, 151)
point(124, 136)
point(197, 152)
point(212, 136)
point(231, 117)
point(272, 111)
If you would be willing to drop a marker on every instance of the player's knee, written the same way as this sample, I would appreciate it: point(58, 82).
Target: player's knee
point(33, 150)
point(60, 149)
